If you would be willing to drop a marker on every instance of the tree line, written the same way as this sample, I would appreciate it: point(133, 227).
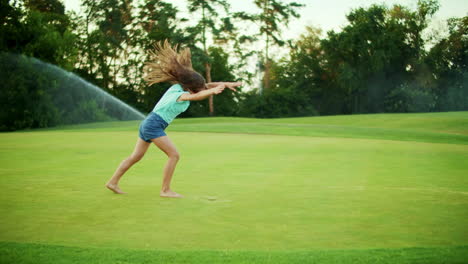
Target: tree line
point(382, 60)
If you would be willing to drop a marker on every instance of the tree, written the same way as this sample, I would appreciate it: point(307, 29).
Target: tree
point(221, 70)
point(106, 39)
point(307, 76)
point(11, 26)
point(157, 20)
point(207, 24)
point(38, 32)
point(27, 86)
point(376, 53)
point(448, 65)
point(373, 65)
point(273, 14)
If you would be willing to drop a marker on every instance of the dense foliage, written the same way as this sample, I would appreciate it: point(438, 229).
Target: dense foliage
point(379, 62)
point(382, 61)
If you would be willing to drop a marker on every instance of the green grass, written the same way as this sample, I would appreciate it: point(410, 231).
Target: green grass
point(25, 253)
point(356, 189)
point(449, 127)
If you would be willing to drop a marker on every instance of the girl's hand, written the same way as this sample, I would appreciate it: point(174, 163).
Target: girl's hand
point(232, 85)
point(218, 89)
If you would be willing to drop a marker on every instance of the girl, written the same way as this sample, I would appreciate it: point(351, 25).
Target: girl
point(188, 86)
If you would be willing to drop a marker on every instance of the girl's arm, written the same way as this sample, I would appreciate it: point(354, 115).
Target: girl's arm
point(203, 94)
point(229, 85)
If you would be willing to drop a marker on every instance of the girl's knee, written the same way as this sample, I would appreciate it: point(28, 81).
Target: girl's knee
point(174, 155)
point(135, 158)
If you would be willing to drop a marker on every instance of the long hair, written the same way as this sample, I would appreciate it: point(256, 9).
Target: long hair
point(168, 65)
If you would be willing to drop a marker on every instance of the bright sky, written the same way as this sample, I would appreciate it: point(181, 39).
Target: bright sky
point(326, 14)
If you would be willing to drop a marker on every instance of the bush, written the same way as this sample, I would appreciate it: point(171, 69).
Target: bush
point(410, 98)
point(26, 94)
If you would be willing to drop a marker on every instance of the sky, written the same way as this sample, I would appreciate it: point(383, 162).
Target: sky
point(326, 14)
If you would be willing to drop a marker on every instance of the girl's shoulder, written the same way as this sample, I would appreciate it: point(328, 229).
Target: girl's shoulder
point(176, 87)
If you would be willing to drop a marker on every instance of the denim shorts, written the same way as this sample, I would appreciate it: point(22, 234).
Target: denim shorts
point(152, 127)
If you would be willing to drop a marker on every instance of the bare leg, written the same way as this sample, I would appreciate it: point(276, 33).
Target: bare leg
point(140, 149)
point(166, 145)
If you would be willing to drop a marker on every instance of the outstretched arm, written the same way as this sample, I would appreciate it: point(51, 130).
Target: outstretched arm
point(230, 85)
point(213, 89)
point(203, 94)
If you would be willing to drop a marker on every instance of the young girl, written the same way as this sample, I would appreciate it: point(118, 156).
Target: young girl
point(188, 86)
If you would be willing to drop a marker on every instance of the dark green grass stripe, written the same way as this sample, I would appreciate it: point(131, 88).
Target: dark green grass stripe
point(448, 127)
point(280, 129)
point(11, 252)
point(326, 131)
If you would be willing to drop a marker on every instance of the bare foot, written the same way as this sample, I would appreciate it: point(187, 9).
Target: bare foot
point(170, 194)
point(115, 188)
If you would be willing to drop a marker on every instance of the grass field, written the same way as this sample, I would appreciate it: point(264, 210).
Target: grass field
point(385, 188)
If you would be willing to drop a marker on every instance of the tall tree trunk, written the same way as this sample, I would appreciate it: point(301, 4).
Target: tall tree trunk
point(266, 76)
point(207, 65)
point(208, 80)
point(88, 44)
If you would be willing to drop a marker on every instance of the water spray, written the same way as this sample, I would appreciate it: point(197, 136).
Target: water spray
point(40, 94)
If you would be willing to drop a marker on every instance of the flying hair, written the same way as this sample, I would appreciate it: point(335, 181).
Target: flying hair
point(168, 65)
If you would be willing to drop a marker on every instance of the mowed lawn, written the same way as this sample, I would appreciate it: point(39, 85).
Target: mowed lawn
point(340, 189)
